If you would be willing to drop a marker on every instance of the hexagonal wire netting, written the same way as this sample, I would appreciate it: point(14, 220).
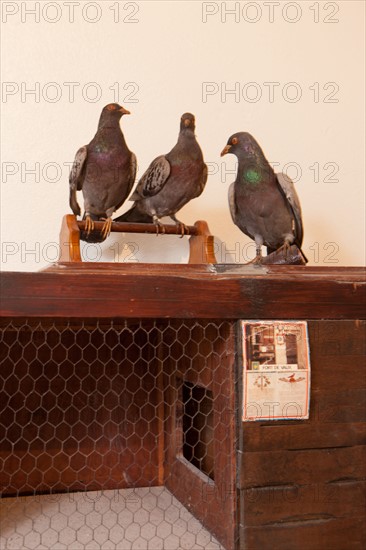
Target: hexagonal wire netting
point(113, 433)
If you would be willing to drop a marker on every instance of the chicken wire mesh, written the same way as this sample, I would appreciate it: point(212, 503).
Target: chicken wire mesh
point(108, 427)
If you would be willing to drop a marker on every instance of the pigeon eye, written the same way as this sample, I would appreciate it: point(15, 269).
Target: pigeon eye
point(234, 141)
point(111, 107)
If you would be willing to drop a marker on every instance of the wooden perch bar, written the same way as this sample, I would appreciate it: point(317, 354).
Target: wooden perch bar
point(164, 229)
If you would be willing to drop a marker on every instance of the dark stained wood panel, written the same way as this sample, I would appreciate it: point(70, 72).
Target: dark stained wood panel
point(103, 291)
point(303, 483)
point(293, 436)
point(347, 464)
point(313, 533)
point(290, 503)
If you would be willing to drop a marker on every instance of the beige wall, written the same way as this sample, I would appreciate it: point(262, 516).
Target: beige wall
point(161, 54)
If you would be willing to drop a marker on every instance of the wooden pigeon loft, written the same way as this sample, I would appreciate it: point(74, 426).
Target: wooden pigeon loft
point(129, 375)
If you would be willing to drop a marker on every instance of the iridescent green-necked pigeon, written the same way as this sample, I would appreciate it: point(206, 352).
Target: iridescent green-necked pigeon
point(264, 205)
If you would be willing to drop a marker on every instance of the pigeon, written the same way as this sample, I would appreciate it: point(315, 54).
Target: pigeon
point(105, 172)
point(171, 180)
point(264, 205)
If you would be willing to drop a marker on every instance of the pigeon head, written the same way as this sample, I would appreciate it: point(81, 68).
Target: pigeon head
point(111, 114)
point(187, 121)
point(113, 109)
point(250, 157)
point(243, 145)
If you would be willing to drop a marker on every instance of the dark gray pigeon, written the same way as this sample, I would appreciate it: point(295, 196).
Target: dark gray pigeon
point(264, 205)
point(170, 181)
point(104, 171)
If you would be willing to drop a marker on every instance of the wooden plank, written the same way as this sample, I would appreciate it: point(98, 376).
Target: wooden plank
point(337, 354)
point(82, 470)
point(343, 371)
point(342, 274)
point(293, 502)
point(302, 467)
point(339, 405)
point(185, 293)
point(334, 339)
point(315, 533)
point(297, 435)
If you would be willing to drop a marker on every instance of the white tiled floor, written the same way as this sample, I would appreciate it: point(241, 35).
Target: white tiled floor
point(143, 518)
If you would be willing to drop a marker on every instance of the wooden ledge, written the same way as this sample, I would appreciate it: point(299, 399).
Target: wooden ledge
point(98, 290)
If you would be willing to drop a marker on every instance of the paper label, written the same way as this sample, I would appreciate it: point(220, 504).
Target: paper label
point(276, 370)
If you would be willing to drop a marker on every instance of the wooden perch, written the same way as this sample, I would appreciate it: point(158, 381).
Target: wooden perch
point(163, 229)
point(201, 242)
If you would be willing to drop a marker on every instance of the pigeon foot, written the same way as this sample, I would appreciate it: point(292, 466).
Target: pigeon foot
point(89, 224)
point(258, 257)
point(286, 249)
point(183, 228)
point(158, 225)
point(106, 229)
point(257, 260)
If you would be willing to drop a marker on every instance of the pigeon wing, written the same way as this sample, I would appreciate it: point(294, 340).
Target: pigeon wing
point(204, 177)
point(232, 204)
point(75, 179)
point(133, 171)
point(287, 188)
point(153, 180)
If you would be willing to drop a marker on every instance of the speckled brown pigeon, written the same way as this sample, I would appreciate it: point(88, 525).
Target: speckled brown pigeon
point(104, 171)
point(264, 205)
point(171, 180)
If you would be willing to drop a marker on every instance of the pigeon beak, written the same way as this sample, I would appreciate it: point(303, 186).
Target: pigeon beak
point(187, 122)
point(225, 150)
point(124, 111)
